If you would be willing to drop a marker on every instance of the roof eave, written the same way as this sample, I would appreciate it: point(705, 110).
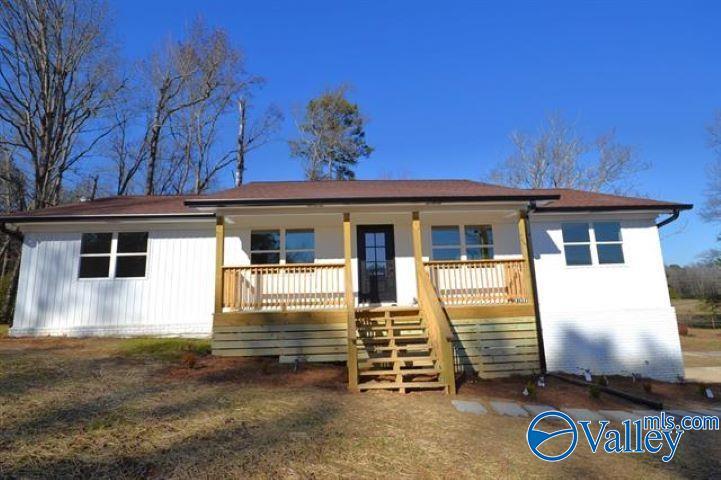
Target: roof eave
point(614, 208)
point(98, 218)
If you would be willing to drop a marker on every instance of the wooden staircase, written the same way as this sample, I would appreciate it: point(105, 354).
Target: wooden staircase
point(398, 352)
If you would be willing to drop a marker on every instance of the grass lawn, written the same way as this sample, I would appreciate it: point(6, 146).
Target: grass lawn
point(701, 340)
point(130, 409)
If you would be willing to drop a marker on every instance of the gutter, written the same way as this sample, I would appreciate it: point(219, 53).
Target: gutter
point(534, 285)
point(91, 218)
point(674, 216)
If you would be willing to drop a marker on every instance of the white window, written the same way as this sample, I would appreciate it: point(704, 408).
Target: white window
point(132, 254)
point(125, 254)
point(476, 243)
point(264, 247)
point(95, 253)
point(584, 245)
point(282, 246)
point(609, 247)
point(576, 243)
point(299, 246)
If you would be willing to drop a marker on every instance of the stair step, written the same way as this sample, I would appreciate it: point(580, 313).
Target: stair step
point(396, 360)
point(407, 371)
point(396, 385)
point(401, 318)
point(413, 347)
point(394, 337)
point(392, 327)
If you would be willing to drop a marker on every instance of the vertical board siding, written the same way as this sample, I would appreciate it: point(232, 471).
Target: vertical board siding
point(175, 297)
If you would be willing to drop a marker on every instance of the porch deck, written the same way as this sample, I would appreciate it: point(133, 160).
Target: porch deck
point(470, 316)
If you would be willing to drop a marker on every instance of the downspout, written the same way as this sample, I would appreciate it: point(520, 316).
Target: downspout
point(674, 216)
point(536, 308)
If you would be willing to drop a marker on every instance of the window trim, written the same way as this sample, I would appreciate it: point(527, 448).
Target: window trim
point(461, 228)
point(296, 250)
point(282, 252)
point(114, 254)
point(129, 254)
point(618, 242)
point(593, 244)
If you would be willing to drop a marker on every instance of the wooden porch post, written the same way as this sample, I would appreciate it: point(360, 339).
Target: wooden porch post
point(524, 233)
point(525, 252)
point(219, 261)
point(350, 307)
point(417, 250)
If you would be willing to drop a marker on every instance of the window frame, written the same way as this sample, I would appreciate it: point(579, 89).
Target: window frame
point(463, 246)
point(282, 251)
point(130, 254)
point(588, 243)
point(593, 244)
point(281, 237)
point(286, 250)
point(618, 242)
point(113, 255)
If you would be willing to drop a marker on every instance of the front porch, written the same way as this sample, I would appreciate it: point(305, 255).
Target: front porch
point(427, 321)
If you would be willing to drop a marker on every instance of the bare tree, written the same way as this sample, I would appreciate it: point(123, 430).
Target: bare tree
point(559, 157)
point(183, 75)
point(254, 135)
point(712, 207)
point(57, 79)
point(332, 137)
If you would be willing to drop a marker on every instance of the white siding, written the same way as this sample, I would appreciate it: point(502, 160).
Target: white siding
point(175, 298)
point(612, 319)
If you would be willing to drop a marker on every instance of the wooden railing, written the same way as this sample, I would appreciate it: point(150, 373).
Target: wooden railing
point(439, 330)
point(306, 286)
point(479, 282)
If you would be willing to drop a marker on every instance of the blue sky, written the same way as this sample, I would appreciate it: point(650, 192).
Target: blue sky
point(443, 84)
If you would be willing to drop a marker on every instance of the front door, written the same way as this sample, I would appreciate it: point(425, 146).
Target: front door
point(376, 264)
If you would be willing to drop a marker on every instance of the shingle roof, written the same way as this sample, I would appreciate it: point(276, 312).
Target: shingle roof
point(575, 200)
point(359, 191)
point(364, 191)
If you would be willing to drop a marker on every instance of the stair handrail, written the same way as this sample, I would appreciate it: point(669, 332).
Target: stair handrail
point(439, 329)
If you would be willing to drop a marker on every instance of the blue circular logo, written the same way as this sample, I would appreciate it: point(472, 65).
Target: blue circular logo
point(537, 437)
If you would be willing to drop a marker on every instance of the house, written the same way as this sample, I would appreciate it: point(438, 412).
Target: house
point(410, 282)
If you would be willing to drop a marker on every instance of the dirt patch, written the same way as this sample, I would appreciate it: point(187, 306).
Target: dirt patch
point(261, 370)
point(556, 393)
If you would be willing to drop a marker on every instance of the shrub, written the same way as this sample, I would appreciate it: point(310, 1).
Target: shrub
point(531, 389)
point(647, 387)
point(683, 329)
point(602, 380)
point(189, 360)
point(594, 391)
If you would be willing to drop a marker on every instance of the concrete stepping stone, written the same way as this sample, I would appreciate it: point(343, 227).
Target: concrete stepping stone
point(639, 414)
point(469, 407)
point(617, 415)
point(537, 409)
point(510, 409)
point(583, 414)
point(680, 413)
point(710, 413)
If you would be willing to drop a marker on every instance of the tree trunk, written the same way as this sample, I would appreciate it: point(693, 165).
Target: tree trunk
point(240, 162)
point(9, 300)
point(152, 158)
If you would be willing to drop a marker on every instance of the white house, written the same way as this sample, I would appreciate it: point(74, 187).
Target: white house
point(410, 282)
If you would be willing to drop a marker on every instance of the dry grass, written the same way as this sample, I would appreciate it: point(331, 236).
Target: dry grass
point(84, 408)
point(701, 340)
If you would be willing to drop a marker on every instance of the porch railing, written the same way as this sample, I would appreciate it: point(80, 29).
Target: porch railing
point(479, 282)
point(306, 286)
